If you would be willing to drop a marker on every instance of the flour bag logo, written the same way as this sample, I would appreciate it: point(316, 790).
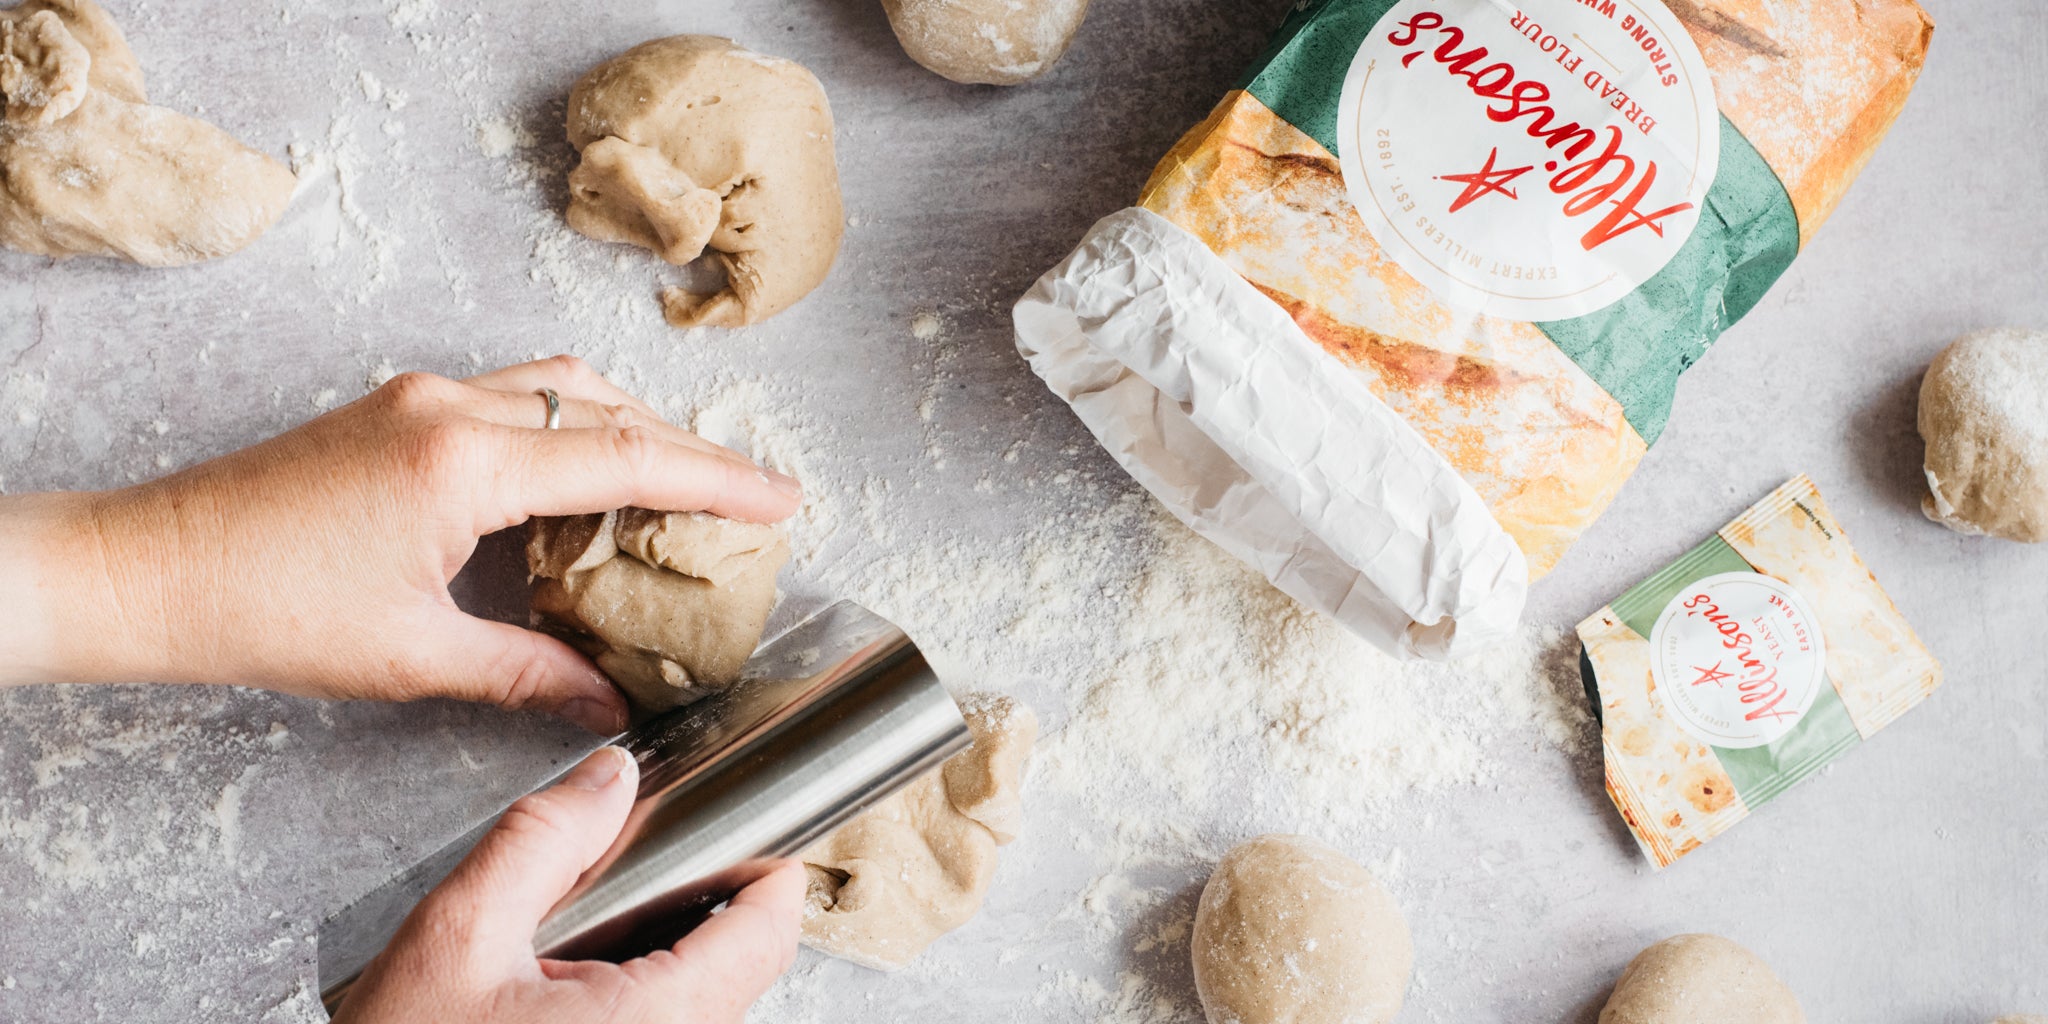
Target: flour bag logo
point(1535, 162)
point(1738, 659)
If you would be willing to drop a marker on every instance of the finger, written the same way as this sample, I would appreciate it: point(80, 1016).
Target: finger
point(467, 658)
point(571, 472)
point(569, 376)
point(495, 899)
point(728, 961)
point(529, 410)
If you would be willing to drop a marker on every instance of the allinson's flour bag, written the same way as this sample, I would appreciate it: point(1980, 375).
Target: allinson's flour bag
point(1396, 322)
point(1745, 666)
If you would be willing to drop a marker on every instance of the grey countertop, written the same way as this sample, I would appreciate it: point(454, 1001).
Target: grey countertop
point(166, 853)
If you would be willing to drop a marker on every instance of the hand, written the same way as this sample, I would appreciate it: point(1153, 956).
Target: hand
point(318, 562)
point(465, 956)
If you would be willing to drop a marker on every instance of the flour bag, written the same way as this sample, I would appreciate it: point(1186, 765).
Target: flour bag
point(1398, 319)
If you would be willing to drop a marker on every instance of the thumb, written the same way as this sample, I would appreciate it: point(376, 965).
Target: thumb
point(494, 900)
point(729, 961)
point(468, 658)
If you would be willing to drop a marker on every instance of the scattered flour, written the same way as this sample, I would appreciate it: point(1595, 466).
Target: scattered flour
point(328, 210)
point(227, 816)
point(301, 1005)
point(141, 817)
point(371, 86)
point(497, 138)
point(411, 14)
point(1221, 668)
point(749, 418)
point(746, 417)
point(380, 374)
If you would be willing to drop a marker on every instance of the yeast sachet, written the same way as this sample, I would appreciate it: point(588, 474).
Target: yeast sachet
point(1747, 665)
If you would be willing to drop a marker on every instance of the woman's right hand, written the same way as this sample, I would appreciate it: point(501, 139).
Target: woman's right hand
point(465, 955)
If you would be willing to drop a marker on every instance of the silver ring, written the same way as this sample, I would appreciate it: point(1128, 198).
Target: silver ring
point(554, 407)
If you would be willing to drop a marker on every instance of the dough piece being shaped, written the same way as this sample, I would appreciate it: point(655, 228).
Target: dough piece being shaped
point(1699, 979)
point(986, 42)
point(89, 168)
point(669, 604)
point(887, 884)
point(1290, 931)
point(693, 143)
point(1984, 416)
point(721, 551)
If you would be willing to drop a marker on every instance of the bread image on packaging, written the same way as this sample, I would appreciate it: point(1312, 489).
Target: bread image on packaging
point(1396, 322)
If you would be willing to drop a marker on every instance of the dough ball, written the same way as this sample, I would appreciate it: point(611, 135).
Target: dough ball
point(1699, 979)
point(986, 42)
point(2021, 1018)
point(89, 168)
point(692, 144)
point(1984, 416)
point(669, 604)
point(887, 884)
point(1290, 931)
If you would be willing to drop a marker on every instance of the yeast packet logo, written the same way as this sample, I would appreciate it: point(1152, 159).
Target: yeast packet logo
point(1537, 162)
point(1738, 659)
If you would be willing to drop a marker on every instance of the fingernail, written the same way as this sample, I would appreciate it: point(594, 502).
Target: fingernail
point(600, 717)
point(599, 770)
point(783, 483)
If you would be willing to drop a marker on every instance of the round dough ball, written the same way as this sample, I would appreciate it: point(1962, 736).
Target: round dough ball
point(1289, 931)
point(986, 42)
point(1699, 979)
point(2021, 1018)
point(1984, 416)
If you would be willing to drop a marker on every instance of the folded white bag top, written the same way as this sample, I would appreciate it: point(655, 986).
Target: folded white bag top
point(1212, 398)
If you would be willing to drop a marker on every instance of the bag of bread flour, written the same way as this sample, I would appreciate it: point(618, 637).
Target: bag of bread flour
point(1747, 665)
point(1396, 322)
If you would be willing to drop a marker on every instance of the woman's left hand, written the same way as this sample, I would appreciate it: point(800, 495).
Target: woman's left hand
point(318, 562)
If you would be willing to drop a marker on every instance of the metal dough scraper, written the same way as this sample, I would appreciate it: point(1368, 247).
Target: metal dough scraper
point(829, 717)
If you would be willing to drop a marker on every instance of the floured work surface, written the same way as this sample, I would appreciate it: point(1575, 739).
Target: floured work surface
point(147, 836)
